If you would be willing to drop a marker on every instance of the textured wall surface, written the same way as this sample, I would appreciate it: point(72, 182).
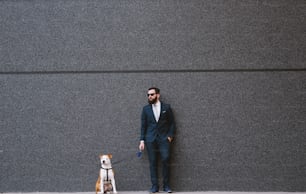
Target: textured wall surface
point(74, 76)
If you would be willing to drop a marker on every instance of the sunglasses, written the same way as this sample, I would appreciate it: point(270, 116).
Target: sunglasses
point(151, 94)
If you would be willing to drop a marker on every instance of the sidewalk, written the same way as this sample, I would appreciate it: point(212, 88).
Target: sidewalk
point(180, 192)
point(207, 192)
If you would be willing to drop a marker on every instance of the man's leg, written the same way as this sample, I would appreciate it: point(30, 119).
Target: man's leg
point(164, 149)
point(152, 154)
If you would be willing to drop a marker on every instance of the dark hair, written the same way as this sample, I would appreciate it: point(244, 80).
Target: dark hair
point(154, 88)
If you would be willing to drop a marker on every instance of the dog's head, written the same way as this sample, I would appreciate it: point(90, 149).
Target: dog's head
point(106, 160)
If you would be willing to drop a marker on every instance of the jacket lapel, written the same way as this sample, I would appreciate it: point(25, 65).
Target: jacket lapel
point(152, 113)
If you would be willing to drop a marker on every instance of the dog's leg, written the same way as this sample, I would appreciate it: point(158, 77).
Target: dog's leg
point(114, 185)
point(101, 182)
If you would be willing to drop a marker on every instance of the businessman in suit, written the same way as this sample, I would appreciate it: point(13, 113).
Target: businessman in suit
point(157, 132)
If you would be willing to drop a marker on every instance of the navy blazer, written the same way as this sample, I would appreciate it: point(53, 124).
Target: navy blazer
point(152, 130)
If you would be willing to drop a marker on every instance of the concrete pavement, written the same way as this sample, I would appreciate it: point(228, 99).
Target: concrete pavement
point(147, 192)
point(207, 192)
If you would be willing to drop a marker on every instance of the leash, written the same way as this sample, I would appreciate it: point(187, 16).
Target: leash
point(118, 162)
point(138, 154)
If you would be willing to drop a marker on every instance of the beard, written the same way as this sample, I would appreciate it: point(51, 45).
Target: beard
point(152, 101)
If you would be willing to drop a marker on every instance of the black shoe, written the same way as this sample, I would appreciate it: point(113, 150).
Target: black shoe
point(154, 189)
point(167, 189)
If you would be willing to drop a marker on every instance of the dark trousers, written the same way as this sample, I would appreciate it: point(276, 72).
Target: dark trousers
point(163, 149)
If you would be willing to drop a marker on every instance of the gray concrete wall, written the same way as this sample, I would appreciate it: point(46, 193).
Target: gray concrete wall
point(74, 76)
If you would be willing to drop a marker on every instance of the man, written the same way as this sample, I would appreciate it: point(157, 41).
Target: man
point(157, 132)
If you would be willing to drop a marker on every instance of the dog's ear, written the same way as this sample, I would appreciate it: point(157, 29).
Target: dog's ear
point(110, 156)
point(100, 156)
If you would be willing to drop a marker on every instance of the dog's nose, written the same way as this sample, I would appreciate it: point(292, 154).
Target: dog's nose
point(103, 161)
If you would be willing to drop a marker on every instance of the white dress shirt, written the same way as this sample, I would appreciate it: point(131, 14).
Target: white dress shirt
point(156, 110)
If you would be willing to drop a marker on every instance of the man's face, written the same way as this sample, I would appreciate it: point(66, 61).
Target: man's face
point(152, 97)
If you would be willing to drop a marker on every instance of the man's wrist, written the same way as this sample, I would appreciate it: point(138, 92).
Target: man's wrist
point(141, 141)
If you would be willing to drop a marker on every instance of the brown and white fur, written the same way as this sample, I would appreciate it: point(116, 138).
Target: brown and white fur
point(106, 179)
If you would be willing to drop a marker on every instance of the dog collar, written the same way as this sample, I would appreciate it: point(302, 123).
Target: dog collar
point(106, 168)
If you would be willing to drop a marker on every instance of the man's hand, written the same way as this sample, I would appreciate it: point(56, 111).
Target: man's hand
point(170, 139)
point(141, 146)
